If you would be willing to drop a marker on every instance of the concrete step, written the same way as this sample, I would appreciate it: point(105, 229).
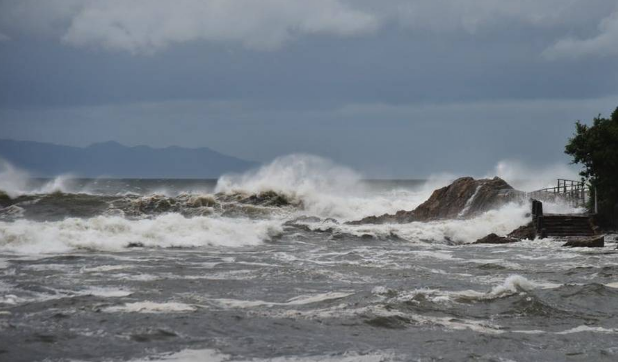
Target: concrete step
point(567, 233)
point(586, 227)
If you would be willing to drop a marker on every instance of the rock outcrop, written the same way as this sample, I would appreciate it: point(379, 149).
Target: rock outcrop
point(586, 242)
point(527, 231)
point(464, 198)
point(495, 239)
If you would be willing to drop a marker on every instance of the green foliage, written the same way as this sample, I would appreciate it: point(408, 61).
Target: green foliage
point(595, 147)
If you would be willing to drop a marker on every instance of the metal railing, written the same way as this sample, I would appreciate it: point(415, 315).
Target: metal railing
point(572, 192)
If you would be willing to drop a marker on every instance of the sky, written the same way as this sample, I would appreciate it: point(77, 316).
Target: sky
point(391, 88)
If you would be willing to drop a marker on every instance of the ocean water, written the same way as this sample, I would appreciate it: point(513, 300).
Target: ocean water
point(263, 267)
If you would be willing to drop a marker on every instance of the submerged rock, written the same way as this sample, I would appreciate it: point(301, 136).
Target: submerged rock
point(527, 231)
point(495, 239)
point(591, 242)
point(464, 198)
point(5, 200)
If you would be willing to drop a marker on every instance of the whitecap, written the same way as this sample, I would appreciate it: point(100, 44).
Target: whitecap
point(151, 307)
point(111, 233)
point(299, 300)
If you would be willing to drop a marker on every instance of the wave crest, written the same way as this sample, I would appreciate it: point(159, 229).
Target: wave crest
point(112, 233)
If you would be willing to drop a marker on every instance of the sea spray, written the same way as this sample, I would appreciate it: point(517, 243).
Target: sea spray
point(529, 178)
point(325, 188)
point(16, 182)
point(13, 181)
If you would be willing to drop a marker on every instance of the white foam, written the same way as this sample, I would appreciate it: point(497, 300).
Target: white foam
point(12, 212)
point(210, 355)
point(200, 355)
point(151, 307)
point(464, 211)
point(106, 292)
point(111, 233)
point(460, 324)
point(511, 285)
point(299, 300)
point(500, 221)
point(105, 268)
point(485, 327)
point(11, 299)
point(580, 329)
point(346, 357)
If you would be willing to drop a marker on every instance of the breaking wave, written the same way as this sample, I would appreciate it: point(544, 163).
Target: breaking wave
point(305, 192)
point(324, 188)
point(500, 221)
point(112, 233)
point(15, 182)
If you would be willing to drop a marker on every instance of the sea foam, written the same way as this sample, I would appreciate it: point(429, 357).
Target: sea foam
point(112, 233)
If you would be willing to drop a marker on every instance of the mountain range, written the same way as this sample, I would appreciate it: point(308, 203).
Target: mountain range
point(112, 159)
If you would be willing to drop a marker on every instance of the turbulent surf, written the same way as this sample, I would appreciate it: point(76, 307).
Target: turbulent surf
point(299, 260)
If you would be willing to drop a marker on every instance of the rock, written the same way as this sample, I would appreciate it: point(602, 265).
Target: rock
point(495, 239)
point(269, 198)
point(591, 242)
point(464, 198)
point(5, 200)
point(400, 217)
point(527, 231)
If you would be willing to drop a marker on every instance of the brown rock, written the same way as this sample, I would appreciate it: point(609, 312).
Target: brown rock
point(591, 242)
point(464, 198)
point(527, 231)
point(495, 239)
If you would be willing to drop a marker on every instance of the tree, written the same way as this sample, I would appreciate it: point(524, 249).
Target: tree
point(595, 147)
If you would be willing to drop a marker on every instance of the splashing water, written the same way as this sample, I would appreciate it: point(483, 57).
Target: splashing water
point(15, 182)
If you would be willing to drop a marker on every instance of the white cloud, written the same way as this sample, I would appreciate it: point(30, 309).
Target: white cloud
point(472, 15)
point(149, 25)
point(146, 26)
point(604, 44)
point(48, 18)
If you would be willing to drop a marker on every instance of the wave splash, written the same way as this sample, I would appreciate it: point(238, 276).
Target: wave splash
point(241, 209)
point(15, 182)
point(324, 188)
point(112, 233)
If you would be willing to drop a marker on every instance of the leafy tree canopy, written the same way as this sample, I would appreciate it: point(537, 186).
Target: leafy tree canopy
point(595, 147)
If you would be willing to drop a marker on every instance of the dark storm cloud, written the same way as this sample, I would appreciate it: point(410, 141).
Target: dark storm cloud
point(363, 82)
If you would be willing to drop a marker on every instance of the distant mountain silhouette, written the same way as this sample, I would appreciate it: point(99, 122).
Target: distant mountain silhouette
point(113, 159)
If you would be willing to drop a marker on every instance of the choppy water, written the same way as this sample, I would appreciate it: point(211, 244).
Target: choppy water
point(115, 270)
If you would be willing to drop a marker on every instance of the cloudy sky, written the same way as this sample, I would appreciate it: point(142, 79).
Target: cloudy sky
point(394, 88)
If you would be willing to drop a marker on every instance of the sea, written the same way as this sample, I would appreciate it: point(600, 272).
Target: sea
point(262, 266)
